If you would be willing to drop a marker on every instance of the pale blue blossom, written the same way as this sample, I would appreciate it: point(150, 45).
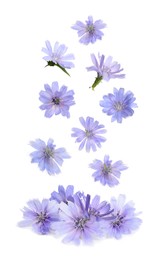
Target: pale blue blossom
point(90, 31)
point(47, 156)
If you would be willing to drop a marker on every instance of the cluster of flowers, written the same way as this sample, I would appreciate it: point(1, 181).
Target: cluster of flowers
point(76, 215)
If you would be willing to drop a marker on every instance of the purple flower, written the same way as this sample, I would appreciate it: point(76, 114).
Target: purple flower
point(125, 219)
point(107, 172)
point(119, 104)
point(98, 209)
point(56, 101)
point(63, 195)
point(90, 136)
point(47, 156)
point(40, 215)
point(76, 224)
point(89, 31)
point(57, 56)
point(106, 69)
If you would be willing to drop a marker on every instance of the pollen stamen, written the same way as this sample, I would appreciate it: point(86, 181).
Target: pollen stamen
point(80, 223)
point(119, 106)
point(90, 28)
point(106, 169)
point(56, 101)
point(41, 217)
point(48, 152)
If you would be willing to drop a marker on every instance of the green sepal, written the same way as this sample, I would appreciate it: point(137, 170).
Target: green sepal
point(51, 63)
point(98, 79)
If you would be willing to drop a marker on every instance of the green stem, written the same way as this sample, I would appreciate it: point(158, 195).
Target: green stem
point(51, 63)
point(98, 79)
point(59, 66)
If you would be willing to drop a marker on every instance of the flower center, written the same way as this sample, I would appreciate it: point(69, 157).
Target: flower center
point(89, 133)
point(118, 221)
point(106, 70)
point(118, 106)
point(48, 152)
point(106, 169)
point(41, 217)
point(55, 58)
point(80, 223)
point(56, 101)
point(90, 28)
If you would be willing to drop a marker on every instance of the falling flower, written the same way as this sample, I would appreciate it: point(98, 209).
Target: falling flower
point(106, 69)
point(57, 56)
point(118, 105)
point(40, 215)
point(90, 136)
point(75, 223)
point(107, 172)
point(89, 31)
point(125, 219)
point(63, 195)
point(56, 101)
point(47, 156)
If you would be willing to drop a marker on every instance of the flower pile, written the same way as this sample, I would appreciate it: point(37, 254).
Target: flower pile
point(75, 215)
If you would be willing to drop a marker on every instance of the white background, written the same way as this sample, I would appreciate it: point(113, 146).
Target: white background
point(132, 38)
